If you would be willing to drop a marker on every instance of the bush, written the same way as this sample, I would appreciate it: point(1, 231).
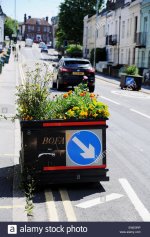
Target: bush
point(74, 50)
point(131, 70)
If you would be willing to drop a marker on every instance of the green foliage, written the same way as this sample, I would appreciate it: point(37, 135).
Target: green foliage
point(35, 103)
point(32, 97)
point(71, 17)
point(100, 55)
point(74, 50)
point(10, 27)
point(131, 70)
point(79, 104)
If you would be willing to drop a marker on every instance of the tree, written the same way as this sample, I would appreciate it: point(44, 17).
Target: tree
point(10, 27)
point(71, 17)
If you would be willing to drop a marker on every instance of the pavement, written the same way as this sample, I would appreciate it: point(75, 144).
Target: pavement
point(115, 80)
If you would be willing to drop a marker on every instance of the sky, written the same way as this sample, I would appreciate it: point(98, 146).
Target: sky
point(33, 8)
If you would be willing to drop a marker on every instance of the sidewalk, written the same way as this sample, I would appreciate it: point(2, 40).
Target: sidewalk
point(115, 80)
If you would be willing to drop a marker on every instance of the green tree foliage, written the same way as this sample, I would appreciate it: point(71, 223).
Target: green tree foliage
point(71, 18)
point(10, 27)
point(74, 50)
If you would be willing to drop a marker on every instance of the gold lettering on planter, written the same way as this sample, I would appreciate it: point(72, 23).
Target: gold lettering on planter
point(53, 141)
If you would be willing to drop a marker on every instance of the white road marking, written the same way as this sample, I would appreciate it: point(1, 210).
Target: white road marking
point(67, 206)
point(21, 74)
point(51, 208)
point(140, 208)
point(144, 115)
point(100, 200)
point(105, 98)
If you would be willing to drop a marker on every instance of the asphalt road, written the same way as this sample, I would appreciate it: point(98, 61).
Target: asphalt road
point(126, 196)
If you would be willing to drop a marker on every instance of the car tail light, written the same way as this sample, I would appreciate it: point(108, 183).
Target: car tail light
point(91, 70)
point(64, 70)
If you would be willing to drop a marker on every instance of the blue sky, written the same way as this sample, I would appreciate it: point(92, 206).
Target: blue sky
point(34, 8)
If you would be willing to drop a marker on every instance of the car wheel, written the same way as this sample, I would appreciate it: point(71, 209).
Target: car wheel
point(59, 87)
point(91, 88)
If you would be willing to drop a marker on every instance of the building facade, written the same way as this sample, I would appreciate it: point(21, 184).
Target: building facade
point(143, 46)
point(37, 29)
point(2, 21)
point(118, 29)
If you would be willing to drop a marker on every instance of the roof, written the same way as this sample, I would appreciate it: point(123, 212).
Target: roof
point(1, 12)
point(75, 59)
point(37, 21)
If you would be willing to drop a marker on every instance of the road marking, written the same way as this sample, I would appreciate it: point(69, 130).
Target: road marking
point(51, 208)
point(67, 206)
point(11, 207)
point(21, 74)
point(144, 115)
point(105, 98)
point(100, 200)
point(140, 208)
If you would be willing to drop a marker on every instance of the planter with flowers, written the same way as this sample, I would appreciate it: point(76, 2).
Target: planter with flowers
point(130, 79)
point(64, 136)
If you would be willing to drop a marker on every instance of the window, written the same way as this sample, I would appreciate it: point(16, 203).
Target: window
point(123, 29)
point(143, 58)
point(38, 29)
point(45, 29)
point(128, 28)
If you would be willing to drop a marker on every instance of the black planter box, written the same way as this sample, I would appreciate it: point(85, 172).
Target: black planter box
point(137, 79)
point(64, 151)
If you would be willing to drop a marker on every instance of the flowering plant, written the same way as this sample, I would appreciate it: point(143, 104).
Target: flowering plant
point(78, 104)
point(35, 102)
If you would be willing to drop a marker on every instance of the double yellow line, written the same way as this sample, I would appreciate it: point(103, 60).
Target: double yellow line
point(51, 207)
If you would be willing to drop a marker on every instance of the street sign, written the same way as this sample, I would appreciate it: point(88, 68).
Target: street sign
point(84, 148)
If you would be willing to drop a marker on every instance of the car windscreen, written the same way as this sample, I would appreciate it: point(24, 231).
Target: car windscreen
point(76, 63)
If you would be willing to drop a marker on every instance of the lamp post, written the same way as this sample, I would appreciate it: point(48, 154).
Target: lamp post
point(96, 20)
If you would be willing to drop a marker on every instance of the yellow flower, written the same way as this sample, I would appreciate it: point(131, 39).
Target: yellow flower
point(70, 113)
point(83, 113)
point(95, 115)
point(75, 108)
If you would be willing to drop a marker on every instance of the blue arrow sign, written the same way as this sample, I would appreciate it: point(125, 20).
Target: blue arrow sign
point(84, 147)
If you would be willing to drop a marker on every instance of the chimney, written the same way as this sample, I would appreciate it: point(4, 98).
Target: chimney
point(47, 18)
point(25, 18)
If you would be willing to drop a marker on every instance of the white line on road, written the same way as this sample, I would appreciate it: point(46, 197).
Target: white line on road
point(51, 208)
point(67, 206)
point(144, 115)
point(105, 98)
point(140, 208)
point(99, 200)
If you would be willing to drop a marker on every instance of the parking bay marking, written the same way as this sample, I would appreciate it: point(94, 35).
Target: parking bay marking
point(99, 200)
point(140, 208)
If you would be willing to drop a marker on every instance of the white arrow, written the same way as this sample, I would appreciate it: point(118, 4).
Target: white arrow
point(89, 152)
point(99, 200)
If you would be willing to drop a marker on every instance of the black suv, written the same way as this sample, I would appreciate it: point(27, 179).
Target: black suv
point(71, 72)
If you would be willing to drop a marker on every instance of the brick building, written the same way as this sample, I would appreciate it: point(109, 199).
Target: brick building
point(37, 29)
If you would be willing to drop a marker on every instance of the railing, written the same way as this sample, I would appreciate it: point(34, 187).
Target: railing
point(141, 39)
point(111, 40)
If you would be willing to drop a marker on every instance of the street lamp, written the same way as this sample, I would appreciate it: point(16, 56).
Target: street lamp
point(96, 20)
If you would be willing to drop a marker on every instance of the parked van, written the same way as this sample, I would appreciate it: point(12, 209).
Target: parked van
point(28, 42)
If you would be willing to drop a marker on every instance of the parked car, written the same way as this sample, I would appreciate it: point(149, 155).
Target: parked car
point(41, 44)
point(28, 42)
point(44, 49)
point(147, 77)
point(70, 72)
